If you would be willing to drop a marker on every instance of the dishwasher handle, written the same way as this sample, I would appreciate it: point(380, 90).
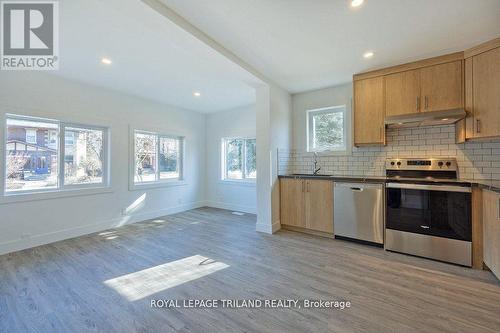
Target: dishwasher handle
point(359, 187)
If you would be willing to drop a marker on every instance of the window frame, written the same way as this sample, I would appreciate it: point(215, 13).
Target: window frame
point(347, 130)
point(165, 182)
point(61, 186)
point(223, 160)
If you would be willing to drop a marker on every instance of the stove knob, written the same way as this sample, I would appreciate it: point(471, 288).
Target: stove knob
point(448, 164)
point(392, 163)
point(399, 163)
point(440, 164)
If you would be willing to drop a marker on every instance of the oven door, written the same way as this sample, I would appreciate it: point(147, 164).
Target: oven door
point(436, 210)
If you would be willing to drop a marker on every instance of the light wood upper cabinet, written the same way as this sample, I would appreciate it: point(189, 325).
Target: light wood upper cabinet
point(431, 88)
point(402, 93)
point(486, 94)
point(319, 205)
point(491, 231)
point(441, 87)
point(369, 111)
point(307, 204)
point(292, 208)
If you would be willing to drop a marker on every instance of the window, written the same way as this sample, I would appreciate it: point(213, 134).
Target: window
point(327, 129)
point(53, 135)
point(157, 157)
point(35, 167)
point(30, 166)
point(170, 158)
point(31, 136)
point(83, 155)
point(69, 138)
point(239, 159)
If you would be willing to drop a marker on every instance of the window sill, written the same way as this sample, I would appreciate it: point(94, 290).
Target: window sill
point(52, 194)
point(249, 183)
point(160, 184)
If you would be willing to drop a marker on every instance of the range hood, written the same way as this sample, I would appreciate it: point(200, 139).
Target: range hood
point(426, 118)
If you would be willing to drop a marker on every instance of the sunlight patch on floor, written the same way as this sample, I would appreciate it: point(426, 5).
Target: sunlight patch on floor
point(137, 285)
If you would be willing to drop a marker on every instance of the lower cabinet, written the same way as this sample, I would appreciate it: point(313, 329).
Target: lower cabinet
point(307, 204)
point(491, 231)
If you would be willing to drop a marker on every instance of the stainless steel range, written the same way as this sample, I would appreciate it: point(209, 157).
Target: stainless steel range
point(428, 211)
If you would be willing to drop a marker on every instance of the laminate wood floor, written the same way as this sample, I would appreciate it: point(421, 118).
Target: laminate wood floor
point(105, 282)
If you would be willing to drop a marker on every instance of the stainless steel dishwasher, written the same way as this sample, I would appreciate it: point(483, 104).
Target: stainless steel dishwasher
point(358, 211)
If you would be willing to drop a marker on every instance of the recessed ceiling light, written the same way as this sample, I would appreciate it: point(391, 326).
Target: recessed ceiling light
point(197, 94)
point(356, 3)
point(106, 61)
point(368, 54)
point(444, 119)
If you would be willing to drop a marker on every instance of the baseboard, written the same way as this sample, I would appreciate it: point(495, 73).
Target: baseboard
point(59, 235)
point(268, 228)
point(229, 206)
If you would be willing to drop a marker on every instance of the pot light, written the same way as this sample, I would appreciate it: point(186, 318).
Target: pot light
point(444, 119)
point(197, 94)
point(368, 54)
point(106, 61)
point(356, 3)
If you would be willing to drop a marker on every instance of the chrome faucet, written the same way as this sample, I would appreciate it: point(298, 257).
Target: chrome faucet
point(316, 168)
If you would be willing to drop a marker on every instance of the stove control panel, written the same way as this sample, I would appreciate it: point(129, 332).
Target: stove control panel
point(429, 164)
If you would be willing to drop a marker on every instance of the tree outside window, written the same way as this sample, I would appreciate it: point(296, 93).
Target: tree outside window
point(327, 129)
point(239, 158)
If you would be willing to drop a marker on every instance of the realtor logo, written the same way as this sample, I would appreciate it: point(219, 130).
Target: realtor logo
point(30, 35)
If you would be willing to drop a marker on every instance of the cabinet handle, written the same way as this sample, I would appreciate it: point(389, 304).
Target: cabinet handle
point(303, 185)
point(418, 103)
point(381, 134)
point(307, 188)
point(426, 102)
point(478, 126)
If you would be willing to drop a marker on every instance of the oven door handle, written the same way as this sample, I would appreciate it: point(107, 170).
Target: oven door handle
point(444, 188)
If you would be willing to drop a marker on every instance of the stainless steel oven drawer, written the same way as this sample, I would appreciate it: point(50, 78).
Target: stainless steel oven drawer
point(439, 248)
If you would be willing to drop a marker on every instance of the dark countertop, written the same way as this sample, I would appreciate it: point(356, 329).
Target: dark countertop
point(362, 179)
point(487, 184)
point(492, 185)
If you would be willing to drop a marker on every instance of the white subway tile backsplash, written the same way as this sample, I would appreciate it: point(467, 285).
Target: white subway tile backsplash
point(476, 160)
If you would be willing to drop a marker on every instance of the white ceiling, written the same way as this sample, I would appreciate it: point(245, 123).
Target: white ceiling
point(309, 44)
point(152, 57)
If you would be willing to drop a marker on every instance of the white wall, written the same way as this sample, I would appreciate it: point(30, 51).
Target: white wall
point(234, 195)
point(332, 96)
point(27, 224)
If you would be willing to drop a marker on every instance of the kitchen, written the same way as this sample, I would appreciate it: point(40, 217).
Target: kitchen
point(423, 177)
point(250, 166)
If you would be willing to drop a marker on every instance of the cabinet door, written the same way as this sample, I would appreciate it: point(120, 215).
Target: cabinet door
point(486, 96)
point(319, 205)
point(292, 211)
point(369, 111)
point(402, 93)
point(441, 87)
point(491, 231)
